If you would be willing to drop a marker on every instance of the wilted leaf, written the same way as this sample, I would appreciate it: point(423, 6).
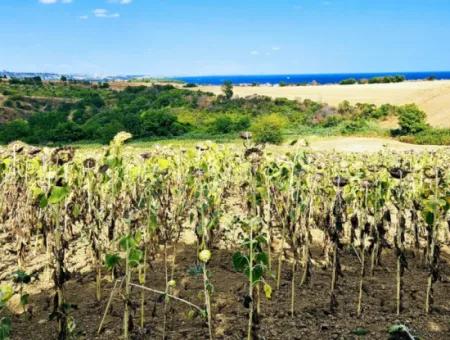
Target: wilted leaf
point(267, 290)
point(6, 292)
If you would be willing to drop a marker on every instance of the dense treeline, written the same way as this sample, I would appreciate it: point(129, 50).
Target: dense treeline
point(64, 112)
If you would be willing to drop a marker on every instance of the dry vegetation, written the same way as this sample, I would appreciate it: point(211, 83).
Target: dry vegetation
point(281, 243)
point(431, 96)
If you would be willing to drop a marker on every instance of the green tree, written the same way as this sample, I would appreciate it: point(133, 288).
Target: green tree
point(269, 129)
point(227, 89)
point(161, 123)
point(411, 119)
point(16, 129)
point(68, 132)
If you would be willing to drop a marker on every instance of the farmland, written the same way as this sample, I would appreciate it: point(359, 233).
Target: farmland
point(223, 241)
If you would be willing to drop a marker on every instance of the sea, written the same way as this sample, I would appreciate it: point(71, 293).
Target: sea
point(326, 78)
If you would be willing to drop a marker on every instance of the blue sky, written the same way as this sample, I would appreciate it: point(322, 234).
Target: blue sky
point(205, 37)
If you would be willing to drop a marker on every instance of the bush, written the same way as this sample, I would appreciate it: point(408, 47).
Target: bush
point(161, 123)
point(226, 124)
point(108, 131)
point(411, 119)
point(68, 132)
point(269, 129)
point(227, 89)
point(16, 129)
point(353, 126)
point(429, 136)
point(349, 81)
point(387, 79)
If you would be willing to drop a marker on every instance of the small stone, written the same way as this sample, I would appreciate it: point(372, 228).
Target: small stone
point(324, 326)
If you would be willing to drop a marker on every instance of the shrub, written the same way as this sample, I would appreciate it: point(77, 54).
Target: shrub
point(411, 119)
point(349, 81)
point(226, 124)
point(269, 129)
point(16, 129)
point(429, 136)
point(68, 132)
point(227, 89)
point(353, 126)
point(161, 123)
point(107, 132)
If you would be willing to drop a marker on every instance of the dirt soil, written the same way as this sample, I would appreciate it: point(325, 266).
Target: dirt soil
point(312, 320)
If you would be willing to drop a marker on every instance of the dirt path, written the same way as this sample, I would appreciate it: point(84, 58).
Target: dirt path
point(366, 144)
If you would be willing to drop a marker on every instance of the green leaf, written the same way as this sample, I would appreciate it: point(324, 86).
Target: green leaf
point(127, 242)
point(5, 328)
point(21, 277)
point(394, 329)
point(429, 217)
point(257, 273)
point(163, 164)
point(24, 299)
point(135, 256)
point(112, 260)
point(153, 223)
point(262, 258)
point(138, 237)
point(360, 331)
point(240, 262)
point(58, 194)
point(43, 201)
point(6, 292)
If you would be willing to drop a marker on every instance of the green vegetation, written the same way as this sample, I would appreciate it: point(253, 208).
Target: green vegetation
point(387, 79)
point(68, 112)
point(155, 80)
point(349, 81)
point(269, 129)
point(374, 80)
point(227, 89)
point(411, 120)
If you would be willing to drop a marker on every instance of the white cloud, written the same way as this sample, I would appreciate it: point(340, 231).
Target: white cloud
point(254, 52)
point(84, 17)
point(122, 2)
point(104, 13)
point(51, 2)
point(276, 48)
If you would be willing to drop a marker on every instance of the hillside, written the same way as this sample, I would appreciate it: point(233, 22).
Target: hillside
point(431, 96)
point(40, 112)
